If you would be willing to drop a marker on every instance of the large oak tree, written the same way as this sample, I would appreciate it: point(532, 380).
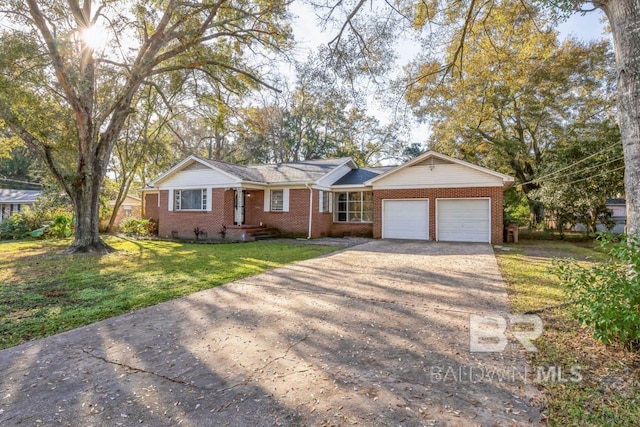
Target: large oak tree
point(450, 22)
point(521, 94)
point(68, 97)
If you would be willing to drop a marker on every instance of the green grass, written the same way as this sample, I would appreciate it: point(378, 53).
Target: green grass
point(609, 392)
point(44, 291)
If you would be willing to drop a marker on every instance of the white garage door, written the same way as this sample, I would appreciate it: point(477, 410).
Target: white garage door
point(463, 220)
point(405, 219)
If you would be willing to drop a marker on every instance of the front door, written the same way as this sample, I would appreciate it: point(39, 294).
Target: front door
point(238, 213)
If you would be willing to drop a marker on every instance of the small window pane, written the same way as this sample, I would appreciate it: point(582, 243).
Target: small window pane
point(277, 200)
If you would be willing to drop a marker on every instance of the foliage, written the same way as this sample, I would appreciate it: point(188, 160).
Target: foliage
point(18, 166)
point(17, 226)
point(318, 118)
point(62, 227)
point(136, 227)
point(516, 208)
point(44, 292)
point(69, 99)
point(608, 392)
point(607, 295)
point(49, 217)
point(580, 174)
point(502, 112)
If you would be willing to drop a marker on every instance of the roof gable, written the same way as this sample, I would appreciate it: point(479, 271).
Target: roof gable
point(188, 164)
point(432, 160)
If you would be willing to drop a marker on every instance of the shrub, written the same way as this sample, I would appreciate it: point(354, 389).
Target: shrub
point(136, 227)
point(62, 227)
point(607, 295)
point(17, 226)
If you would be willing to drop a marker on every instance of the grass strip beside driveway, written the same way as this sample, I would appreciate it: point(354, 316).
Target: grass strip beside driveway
point(609, 391)
point(44, 291)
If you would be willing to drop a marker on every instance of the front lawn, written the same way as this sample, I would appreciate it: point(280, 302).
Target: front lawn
point(44, 291)
point(609, 391)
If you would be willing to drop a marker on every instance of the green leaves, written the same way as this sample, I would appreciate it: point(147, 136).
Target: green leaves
point(607, 295)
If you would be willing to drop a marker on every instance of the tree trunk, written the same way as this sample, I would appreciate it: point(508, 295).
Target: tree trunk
point(86, 203)
point(624, 17)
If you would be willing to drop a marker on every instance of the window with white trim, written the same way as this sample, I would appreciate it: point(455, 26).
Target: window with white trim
point(353, 206)
point(190, 200)
point(277, 200)
point(326, 197)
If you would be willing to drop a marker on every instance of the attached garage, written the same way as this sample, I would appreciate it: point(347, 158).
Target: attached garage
point(463, 220)
point(405, 219)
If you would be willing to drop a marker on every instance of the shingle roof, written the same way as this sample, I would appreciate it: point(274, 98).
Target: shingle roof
point(309, 170)
point(360, 176)
point(19, 196)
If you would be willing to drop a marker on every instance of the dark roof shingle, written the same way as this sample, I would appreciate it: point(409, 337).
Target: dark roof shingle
point(362, 175)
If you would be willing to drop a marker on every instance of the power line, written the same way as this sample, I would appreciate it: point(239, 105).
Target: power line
point(593, 167)
point(3, 178)
point(598, 174)
point(571, 165)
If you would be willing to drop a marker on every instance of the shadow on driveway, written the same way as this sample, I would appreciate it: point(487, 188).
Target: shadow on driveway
point(377, 334)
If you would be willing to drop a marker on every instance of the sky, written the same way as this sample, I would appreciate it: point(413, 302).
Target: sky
point(309, 35)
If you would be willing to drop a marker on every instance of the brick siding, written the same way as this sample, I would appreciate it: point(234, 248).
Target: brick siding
point(182, 223)
point(296, 221)
point(151, 208)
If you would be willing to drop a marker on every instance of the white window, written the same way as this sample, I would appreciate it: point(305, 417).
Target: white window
point(353, 206)
point(277, 200)
point(325, 201)
point(190, 200)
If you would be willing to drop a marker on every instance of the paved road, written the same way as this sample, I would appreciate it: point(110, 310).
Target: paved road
point(377, 334)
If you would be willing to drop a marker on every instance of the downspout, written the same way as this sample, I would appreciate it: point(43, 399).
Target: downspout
point(310, 209)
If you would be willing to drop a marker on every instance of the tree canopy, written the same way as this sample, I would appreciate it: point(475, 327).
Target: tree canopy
point(68, 97)
point(521, 95)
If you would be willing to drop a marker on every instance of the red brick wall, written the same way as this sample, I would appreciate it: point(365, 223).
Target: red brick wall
point(183, 223)
point(341, 229)
point(495, 193)
point(294, 222)
point(151, 209)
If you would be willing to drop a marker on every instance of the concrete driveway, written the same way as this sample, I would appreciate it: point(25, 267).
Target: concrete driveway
point(377, 334)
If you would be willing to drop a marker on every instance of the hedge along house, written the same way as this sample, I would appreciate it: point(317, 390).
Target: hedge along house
point(432, 197)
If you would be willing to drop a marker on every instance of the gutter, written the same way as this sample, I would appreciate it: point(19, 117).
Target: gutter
point(310, 209)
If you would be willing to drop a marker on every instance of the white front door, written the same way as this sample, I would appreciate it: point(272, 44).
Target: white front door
point(238, 213)
point(463, 220)
point(405, 219)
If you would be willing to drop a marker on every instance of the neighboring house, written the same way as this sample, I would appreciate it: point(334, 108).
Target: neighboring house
point(432, 197)
point(618, 208)
point(130, 207)
point(16, 200)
